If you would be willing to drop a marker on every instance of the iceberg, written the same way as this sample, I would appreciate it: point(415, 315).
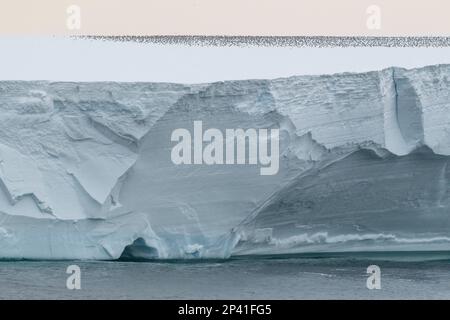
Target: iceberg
point(86, 170)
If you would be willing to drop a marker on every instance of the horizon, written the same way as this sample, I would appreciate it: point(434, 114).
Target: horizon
point(60, 59)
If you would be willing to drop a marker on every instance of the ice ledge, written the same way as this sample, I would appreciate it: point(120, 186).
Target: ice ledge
point(85, 152)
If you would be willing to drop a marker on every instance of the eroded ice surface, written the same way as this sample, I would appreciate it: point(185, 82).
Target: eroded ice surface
point(85, 168)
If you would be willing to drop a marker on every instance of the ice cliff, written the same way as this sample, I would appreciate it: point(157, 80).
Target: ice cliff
point(85, 169)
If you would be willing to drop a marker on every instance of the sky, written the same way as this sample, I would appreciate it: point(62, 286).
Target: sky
point(67, 59)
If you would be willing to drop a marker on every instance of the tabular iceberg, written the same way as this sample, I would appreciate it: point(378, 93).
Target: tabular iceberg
point(85, 168)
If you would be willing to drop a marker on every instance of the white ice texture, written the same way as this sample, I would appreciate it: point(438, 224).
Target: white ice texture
point(85, 168)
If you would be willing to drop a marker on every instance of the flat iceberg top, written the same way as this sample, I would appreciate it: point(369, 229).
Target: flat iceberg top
point(85, 168)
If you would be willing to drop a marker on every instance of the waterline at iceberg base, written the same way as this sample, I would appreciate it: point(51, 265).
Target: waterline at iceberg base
point(86, 173)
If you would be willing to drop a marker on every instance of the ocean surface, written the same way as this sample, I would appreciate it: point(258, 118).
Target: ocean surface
point(403, 276)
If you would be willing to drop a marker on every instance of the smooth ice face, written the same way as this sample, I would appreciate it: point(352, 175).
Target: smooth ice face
point(86, 169)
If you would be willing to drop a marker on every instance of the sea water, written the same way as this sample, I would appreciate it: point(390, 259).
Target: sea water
point(411, 276)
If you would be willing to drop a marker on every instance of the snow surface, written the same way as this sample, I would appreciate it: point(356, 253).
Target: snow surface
point(85, 168)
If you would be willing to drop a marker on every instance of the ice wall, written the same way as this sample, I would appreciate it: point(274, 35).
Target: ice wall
point(85, 168)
